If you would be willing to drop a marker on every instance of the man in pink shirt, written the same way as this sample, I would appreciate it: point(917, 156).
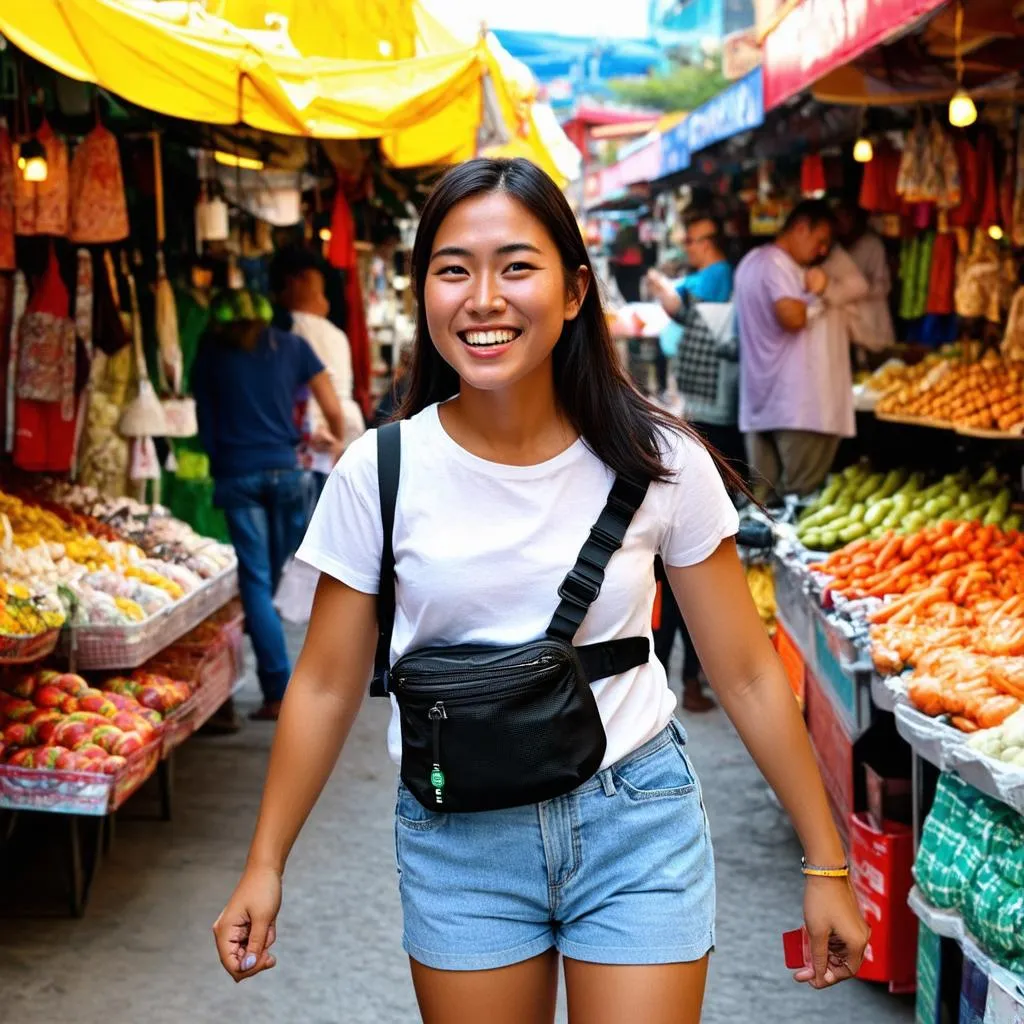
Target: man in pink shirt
point(790, 408)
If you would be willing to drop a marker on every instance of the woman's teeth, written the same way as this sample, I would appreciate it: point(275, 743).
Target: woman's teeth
point(481, 339)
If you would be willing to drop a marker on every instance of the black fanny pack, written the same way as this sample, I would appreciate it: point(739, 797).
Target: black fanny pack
point(487, 727)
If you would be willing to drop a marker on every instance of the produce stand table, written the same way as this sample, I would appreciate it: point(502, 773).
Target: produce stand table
point(88, 801)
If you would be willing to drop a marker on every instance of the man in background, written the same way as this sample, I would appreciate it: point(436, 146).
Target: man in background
point(299, 282)
point(787, 392)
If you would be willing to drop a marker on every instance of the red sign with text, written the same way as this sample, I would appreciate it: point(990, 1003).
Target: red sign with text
point(818, 36)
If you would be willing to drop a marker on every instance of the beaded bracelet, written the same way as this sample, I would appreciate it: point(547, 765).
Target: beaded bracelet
point(812, 871)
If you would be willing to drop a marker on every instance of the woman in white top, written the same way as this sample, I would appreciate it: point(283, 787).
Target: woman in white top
point(517, 420)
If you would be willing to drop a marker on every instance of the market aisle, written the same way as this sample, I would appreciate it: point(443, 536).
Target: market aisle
point(144, 950)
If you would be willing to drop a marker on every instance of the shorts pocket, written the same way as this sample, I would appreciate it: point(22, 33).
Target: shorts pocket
point(410, 813)
point(660, 775)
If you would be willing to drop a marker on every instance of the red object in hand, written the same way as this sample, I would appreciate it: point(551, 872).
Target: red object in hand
point(797, 947)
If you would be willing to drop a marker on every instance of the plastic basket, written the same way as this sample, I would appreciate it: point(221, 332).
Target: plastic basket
point(75, 792)
point(217, 683)
point(21, 650)
point(178, 725)
point(131, 645)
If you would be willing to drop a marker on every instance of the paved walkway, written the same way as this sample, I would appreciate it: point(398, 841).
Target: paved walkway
point(144, 951)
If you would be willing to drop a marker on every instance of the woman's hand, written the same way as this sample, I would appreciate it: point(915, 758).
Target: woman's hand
point(247, 928)
point(838, 932)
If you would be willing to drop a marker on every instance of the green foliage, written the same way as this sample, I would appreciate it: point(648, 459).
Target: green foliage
point(685, 87)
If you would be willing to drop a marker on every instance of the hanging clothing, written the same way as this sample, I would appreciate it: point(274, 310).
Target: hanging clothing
point(99, 211)
point(1013, 340)
point(42, 207)
point(979, 284)
point(812, 175)
point(7, 260)
point(915, 273)
point(878, 190)
point(942, 276)
point(1017, 228)
point(988, 208)
point(109, 334)
point(966, 214)
point(342, 254)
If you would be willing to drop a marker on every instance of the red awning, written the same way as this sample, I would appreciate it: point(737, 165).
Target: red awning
point(818, 36)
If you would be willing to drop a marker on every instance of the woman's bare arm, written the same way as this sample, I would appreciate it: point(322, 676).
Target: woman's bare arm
point(322, 700)
point(748, 677)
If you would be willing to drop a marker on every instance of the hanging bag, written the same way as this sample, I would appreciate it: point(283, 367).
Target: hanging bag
point(99, 211)
point(487, 727)
point(143, 416)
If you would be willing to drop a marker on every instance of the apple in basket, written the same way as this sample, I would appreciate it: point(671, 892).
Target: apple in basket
point(20, 734)
point(89, 717)
point(128, 721)
point(48, 696)
point(71, 734)
point(128, 744)
point(121, 702)
point(17, 710)
point(69, 705)
point(52, 757)
point(24, 687)
point(71, 684)
point(89, 752)
point(154, 718)
point(106, 736)
point(24, 758)
point(98, 703)
point(113, 764)
point(45, 722)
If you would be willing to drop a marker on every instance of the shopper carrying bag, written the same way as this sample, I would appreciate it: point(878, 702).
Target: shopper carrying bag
point(547, 802)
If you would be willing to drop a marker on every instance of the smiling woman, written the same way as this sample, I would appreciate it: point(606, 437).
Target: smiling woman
point(547, 805)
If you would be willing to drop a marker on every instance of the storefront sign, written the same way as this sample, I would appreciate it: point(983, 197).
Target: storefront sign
point(738, 109)
point(818, 36)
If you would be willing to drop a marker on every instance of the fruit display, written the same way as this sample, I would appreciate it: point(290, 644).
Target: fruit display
point(859, 502)
point(895, 375)
point(985, 395)
point(952, 610)
point(151, 690)
point(23, 614)
point(151, 527)
point(761, 581)
point(1003, 743)
point(54, 720)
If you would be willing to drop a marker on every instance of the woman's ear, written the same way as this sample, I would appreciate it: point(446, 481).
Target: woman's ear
point(577, 292)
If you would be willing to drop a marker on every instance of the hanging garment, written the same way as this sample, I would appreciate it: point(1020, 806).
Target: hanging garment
point(41, 208)
point(915, 271)
point(978, 281)
point(942, 276)
point(46, 343)
point(910, 181)
point(1006, 187)
point(7, 261)
point(1013, 340)
point(19, 302)
point(109, 334)
point(966, 214)
point(99, 211)
point(878, 192)
point(1017, 227)
point(342, 254)
point(988, 212)
point(812, 175)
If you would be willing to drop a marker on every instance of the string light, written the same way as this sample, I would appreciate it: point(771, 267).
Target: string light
point(32, 161)
point(995, 232)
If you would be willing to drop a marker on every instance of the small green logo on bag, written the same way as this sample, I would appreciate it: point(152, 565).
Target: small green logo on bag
point(437, 778)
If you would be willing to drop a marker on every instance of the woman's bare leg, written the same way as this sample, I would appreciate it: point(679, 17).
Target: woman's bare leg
point(654, 994)
point(524, 993)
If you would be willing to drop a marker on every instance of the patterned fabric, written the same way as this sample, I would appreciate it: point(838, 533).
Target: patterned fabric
point(41, 208)
point(698, 356)
point(7, 261)
point(942, 843)
point(99, 212)
point(18, 311)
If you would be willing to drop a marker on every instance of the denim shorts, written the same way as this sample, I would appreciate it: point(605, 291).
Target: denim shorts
point(619, 871)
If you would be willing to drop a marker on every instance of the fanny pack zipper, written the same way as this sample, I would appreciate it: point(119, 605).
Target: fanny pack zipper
point(469, 680)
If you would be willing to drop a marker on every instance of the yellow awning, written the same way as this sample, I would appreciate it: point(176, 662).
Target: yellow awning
point(177, 60)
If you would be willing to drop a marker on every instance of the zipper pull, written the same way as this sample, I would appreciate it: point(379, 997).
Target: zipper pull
point(437, 714)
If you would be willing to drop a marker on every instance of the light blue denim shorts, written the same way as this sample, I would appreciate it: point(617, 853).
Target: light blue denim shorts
point(619, 871)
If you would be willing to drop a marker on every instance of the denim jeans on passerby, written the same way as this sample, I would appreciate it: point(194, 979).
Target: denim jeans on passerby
point(266, 516)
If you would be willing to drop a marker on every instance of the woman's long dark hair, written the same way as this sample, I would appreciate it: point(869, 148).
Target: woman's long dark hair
point(619, 425)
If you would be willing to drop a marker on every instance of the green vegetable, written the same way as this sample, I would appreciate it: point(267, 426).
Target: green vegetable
point(1012, 522)
point(852, 532)
point(829, 539)
point(874, 515)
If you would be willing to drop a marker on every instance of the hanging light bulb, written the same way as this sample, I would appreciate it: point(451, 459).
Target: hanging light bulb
point(325, 234)
point(32, 161)
point(995, 232)
point(962, 111)
point(863, 151)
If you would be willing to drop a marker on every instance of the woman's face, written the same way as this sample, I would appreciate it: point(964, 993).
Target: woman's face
point(496, 297)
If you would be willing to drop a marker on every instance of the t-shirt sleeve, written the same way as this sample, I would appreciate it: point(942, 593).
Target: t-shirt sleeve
point(310, 364)
point(344, 538)
point(697, 511)
point(782, 280)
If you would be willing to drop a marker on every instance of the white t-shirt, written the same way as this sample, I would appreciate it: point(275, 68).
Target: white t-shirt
point(331, 346)
point(481, 549)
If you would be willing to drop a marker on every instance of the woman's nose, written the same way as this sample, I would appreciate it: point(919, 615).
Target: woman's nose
point(486, 296)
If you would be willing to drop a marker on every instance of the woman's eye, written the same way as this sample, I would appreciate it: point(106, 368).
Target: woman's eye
point(519, 267)
point(451, 271)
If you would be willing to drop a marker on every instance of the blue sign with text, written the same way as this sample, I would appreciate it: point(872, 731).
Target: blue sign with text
point(738, 109)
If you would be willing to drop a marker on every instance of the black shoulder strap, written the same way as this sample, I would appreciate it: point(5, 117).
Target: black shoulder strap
point(389, 471)
point(581, 586)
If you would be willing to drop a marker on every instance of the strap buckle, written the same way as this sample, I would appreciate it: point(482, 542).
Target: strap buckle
point(579, 587)
point(603, 539)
